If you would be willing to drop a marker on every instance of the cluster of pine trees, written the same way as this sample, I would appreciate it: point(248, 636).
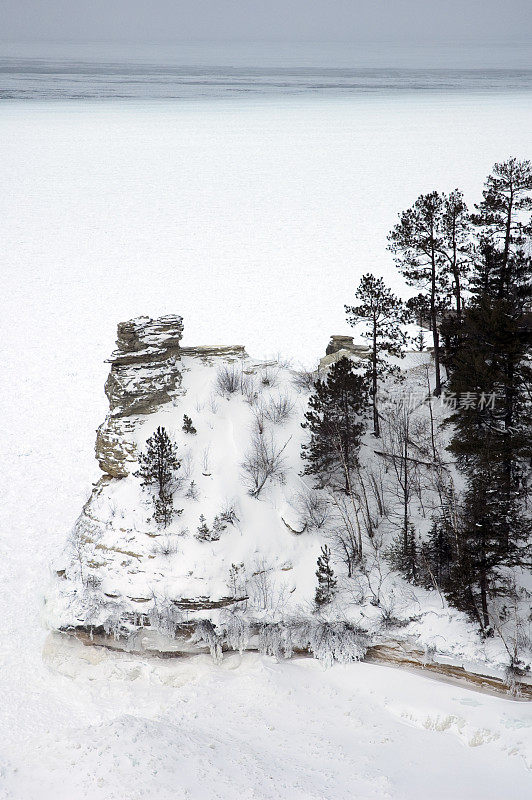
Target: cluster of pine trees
point(473, 273)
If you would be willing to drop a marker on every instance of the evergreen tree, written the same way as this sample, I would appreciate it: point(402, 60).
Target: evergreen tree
point(456, 245)
point(432, 248)
point(490, 366)
point(218, 526)
point(417, 244)
point(499, 215)
point(419, 340)
point(403, 554)
point(204, 533)
point(335, 422)
point(326, 580)
point(384, 314)
point(157, 467)
point(493, 536)
point(188, 427)
point(438, 555)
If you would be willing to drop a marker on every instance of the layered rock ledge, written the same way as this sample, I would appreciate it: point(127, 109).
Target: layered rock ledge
point(145, 373)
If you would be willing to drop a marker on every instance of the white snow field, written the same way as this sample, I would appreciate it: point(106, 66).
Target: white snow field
point(253, 221)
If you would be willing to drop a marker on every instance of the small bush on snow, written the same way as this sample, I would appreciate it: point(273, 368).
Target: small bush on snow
point(165, 548)
point(192, 491)
point(228, 512)
point(279, 409)
point(264, 461)
point(228, 380)
point(314, 509)
point(188, 426)
point(304, 380)
point(269, 377)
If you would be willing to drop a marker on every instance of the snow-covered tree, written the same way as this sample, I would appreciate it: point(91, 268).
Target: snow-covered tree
point(326, 580)
point(188, 427)
point(335, 421)
point(158, 466)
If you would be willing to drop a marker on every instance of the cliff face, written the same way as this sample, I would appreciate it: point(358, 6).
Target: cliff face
point(145, 373)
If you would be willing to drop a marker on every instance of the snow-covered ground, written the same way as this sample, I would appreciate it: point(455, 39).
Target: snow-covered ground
point(112, 727)
point(254, 222)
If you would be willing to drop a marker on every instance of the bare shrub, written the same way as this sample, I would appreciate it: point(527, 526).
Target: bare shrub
point(187, 466)
point(92, 581)
point(228, 512)
point(279, 409)
point(345, 529)
point(165, 547)
point(314, 509)
point(206, 461)
point(304, 380)
point(264, 461)
point(264, 592)
point(283, 362)
point(259, 417)
point(213, 405)
point(228, 380)
point(237, 580)
point(270, 377)
point(247, 387)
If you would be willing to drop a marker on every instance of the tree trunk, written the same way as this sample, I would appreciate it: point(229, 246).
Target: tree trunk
point(506, 252)
point(376, 428)
point(434, 320)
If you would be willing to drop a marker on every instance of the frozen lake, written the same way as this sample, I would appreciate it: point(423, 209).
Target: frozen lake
point(252, 218)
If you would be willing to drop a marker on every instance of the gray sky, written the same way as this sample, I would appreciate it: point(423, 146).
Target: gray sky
point(396, 21)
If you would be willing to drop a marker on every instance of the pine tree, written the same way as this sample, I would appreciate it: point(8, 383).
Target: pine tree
point(490, 365)
point(188, 427)
point(384, 314)
point(403, 554)
point(335, 422)
point(485, 547)
point(157, 467)
point(432, 248)
point(204, 533)
point(499, 215)
point(456, 245)
point(326, 580)
point(417, 244)
point(438, 555)
point(218, 526)
point(419, 340)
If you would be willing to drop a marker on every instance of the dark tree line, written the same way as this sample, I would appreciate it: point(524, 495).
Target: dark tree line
point(476, 270)
point(489, 359)
point(473, 272)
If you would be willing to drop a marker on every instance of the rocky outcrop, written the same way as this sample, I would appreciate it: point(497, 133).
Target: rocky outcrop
point(145, 373)
point(338, 343)
point(232, 352)
point(343, 346)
